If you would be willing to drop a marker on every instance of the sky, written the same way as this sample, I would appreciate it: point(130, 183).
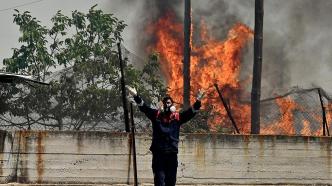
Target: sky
point(44, 10)
point(297, 33)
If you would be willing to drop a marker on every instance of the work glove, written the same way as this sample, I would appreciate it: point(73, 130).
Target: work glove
point(197, 105)
point(200, 94)
point(133, 92)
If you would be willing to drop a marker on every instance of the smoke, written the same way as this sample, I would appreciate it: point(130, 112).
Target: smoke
point(308, 43)
point(296, 43)
point(151, 12)
point(131, 13)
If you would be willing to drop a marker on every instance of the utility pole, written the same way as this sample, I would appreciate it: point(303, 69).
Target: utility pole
point(257, 71)
point(186, 53)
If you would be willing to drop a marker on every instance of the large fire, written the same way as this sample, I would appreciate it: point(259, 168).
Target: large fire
point(214, 62)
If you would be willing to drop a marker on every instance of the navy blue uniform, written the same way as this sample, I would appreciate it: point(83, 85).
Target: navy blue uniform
point(165, 139)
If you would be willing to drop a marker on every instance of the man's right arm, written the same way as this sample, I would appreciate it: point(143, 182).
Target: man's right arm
point(148, 111)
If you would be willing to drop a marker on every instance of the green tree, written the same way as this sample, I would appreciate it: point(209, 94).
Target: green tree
point(87, 92)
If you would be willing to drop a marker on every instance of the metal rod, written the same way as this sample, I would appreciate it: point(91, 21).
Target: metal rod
point(227, 109)
point(327, 126)
point(123, 90)
point(133, 143)
point(15, 176)
point(186, 55)
point(129, 157)
point(324, 121)
point(257, 70)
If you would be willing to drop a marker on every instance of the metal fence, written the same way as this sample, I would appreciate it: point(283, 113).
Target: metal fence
point(298, 112)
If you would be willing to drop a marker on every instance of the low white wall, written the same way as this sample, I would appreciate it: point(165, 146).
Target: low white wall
point(102, 157)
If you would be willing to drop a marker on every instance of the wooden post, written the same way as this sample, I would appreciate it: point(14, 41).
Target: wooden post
point(186, 53)
point(123, 90)
point(257, 71)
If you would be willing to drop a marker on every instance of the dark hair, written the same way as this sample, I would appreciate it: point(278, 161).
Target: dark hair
point(167, 98)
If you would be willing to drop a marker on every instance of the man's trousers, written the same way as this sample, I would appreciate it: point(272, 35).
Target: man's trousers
point(164, 166)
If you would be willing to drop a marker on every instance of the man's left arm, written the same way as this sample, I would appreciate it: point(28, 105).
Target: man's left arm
point(190, 112)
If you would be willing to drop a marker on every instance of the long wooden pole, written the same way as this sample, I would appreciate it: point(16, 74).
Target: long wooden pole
point(123, 90)
point(257, 71)
point(186, 53)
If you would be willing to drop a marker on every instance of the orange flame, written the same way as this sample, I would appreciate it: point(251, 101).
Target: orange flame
point(212, 62)
point(329, 114)
point(286, 122)
point(306, 128)
point(216, 62)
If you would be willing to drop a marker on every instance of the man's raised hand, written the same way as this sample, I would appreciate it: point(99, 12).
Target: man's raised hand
point(132, 91)
point(200, 94)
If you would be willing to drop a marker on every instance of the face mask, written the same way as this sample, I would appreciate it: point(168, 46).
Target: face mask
point(166, 109)
point(172, 108)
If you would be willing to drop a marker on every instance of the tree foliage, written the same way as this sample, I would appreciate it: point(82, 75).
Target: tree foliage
point(86, 95)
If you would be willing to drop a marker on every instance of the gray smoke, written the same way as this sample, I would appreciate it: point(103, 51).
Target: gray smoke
point(297, 37)
point(297, 41)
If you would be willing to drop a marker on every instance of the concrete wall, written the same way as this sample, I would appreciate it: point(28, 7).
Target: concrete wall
point(101, 157)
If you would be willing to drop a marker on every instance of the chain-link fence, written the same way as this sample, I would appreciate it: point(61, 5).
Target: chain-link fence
point(298, 112)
